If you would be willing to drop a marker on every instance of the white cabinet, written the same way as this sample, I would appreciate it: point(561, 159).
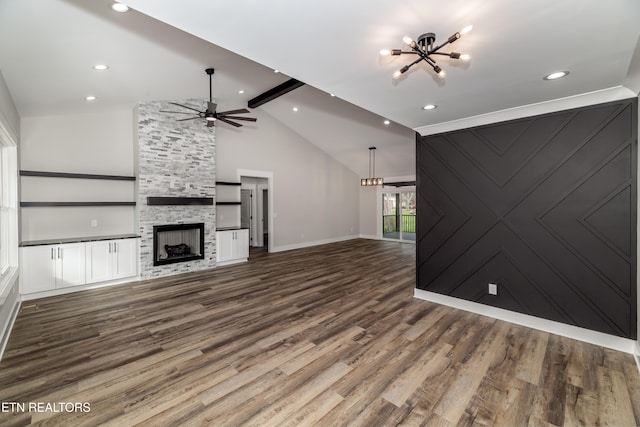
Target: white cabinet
point(232, 245)
point(125, 258)
point(49, 267)
point(111, 259)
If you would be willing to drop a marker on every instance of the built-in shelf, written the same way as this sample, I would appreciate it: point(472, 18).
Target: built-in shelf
point(235, 184)
point(72, 204)
point(179, 201)
point(45, 174)
point(76, 175)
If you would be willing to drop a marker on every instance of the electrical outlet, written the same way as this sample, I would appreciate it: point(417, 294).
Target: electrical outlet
point(493, 289)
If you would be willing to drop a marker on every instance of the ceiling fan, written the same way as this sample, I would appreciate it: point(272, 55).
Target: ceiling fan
point(210, 114)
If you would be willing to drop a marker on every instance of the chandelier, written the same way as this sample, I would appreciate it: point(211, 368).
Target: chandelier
point(424, 48)
point(372, 172)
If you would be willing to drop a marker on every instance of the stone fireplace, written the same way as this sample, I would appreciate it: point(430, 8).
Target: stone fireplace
point(176, 187)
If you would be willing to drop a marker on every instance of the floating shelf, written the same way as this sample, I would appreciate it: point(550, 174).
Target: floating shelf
point(72, 204)
point(179, 201)
point(228, 203)
point(228, 183)
point(76, 175)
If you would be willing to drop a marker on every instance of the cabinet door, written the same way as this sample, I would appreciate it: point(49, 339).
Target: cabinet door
point(241, 244)
point(224, 245)
point(37, 269)
point(125, 260)
point(98, 261)
point(70, 266)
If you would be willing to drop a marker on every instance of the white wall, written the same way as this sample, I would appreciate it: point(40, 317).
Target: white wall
point(83, 143)
point(315, 198)
point(369, 201)
point(9, 117)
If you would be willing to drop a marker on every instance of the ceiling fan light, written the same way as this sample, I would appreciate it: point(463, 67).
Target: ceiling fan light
point(210, 119)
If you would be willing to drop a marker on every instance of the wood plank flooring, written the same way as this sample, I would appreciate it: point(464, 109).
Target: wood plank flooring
point(324, 336)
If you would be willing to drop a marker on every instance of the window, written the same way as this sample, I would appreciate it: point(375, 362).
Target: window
point(8, 206)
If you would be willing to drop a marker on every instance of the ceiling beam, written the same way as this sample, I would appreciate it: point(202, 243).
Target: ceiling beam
point(275, 92)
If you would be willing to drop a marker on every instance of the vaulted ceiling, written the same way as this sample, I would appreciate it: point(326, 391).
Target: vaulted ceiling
point(159, 50)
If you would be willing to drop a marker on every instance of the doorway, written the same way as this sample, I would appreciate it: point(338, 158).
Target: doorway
point(254, 212)
point(399, 215)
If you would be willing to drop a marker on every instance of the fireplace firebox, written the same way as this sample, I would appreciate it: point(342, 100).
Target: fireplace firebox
point(177, 243)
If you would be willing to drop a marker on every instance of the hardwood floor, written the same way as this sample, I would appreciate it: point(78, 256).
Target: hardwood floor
point(324, 336)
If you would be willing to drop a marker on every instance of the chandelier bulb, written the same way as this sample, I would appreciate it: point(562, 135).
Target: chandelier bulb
point(408, 40)
point(465, 57)
point(466, 29)
point(385, 52)
point(397, 74)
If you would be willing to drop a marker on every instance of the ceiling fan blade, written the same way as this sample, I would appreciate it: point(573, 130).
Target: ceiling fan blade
point(248, 119)
point(175, 112)
point(240, 111)
point(191, 118)
point(230, 122)
point(184, 106)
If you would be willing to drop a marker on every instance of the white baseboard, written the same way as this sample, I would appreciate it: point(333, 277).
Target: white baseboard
point(636, 354)
point(368, 236)
point(62, 291)
point(312, 243)
point(231, 262)
point(598, 338)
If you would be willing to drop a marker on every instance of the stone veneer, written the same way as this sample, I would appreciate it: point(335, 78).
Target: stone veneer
point(174, 159)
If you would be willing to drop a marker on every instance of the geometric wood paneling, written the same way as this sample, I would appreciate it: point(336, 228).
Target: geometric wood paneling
point(544, 206)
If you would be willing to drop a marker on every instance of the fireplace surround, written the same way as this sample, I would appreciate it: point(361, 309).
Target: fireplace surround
point(174, 243)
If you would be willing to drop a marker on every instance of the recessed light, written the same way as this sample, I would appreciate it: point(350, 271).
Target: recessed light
point(295, 108)
point(119, 7)
point(556, 75)
point(90, 98)
point(100, 67)
point(386, 122)
point(430, 107)
point(331, 94)
point(240, 91)
point(276, 71)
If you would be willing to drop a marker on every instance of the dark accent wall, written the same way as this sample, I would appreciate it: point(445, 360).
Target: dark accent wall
point(544, 206)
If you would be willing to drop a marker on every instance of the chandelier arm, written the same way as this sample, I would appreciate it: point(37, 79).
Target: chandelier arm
point(414, 63)
point(437, 48)
point(429, 60)
point(441, 53)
